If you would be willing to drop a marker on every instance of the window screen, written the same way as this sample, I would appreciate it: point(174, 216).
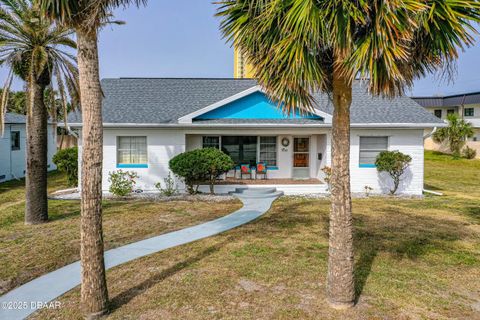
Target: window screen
point(132, 150)
point(370, 147)
point(240, 149)
point(268, 150)
point(211, 142)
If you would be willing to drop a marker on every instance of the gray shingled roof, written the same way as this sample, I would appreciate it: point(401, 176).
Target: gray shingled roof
point(15, 118)
point(164, 101)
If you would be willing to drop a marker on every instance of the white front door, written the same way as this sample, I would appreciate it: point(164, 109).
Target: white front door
point(301, 158)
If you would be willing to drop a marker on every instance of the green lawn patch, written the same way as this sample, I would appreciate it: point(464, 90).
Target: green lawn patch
point(415, 259)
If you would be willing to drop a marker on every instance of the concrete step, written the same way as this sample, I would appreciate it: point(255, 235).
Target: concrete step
point(258, 195)
point(255, 190)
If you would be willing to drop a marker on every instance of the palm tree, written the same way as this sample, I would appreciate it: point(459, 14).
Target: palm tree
point(33, 49)
point(86, 17)
point(301, 47)
point(456, 133)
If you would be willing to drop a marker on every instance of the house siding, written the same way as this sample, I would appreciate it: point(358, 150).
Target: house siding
point(406, 141)
point(162, 145)
point(13, 162)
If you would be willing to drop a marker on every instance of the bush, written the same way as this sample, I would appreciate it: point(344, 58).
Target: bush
point(469, 153)
point(200, 165)
point(170, 186)
point(122, 182)
point(394, 163)
point(328, 176)
point(66, 161)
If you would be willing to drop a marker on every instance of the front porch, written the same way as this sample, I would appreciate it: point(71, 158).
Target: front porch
point(293, 156)
point(231, 180)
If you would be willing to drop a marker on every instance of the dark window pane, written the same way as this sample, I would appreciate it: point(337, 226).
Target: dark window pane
point(240, 149)
point(15, 140)
point(469, 112)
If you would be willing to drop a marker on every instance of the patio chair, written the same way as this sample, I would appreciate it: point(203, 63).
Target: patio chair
point(245, 169)
point(261, 169)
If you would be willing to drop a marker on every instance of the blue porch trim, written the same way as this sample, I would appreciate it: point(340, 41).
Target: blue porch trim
point(364, 165)
point(132, 165)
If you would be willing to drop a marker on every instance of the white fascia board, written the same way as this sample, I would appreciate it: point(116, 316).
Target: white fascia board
point(398, 125)
point(189, 117)
point(266, 125)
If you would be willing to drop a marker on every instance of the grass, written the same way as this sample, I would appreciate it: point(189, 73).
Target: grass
point(415, 259)
point(30, 251)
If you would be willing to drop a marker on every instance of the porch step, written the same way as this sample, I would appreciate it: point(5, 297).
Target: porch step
point(257, 192)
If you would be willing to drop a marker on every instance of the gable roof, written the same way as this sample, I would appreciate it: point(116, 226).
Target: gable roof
point(15, 118)
point(254, 102)
point(163, 101)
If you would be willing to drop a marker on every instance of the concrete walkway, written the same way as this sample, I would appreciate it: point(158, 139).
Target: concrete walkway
point(26, 299)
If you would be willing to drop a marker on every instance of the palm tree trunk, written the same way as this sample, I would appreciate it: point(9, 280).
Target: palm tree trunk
point(36, 207)
point(94, 295)
point(340, 281)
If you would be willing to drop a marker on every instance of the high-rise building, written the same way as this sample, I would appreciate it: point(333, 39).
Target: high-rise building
point(242, 69)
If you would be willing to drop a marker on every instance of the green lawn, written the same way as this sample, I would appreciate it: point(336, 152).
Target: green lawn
point(415, 259)
point(29, 251)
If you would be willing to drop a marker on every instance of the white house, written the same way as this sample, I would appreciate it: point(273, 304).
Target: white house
point(465, 105)
point(149, 121)
point(13, 146)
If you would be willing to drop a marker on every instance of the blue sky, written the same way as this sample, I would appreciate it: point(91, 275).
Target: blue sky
point(181, 39)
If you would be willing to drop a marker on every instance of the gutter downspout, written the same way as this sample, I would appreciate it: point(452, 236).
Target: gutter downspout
point(428, 135)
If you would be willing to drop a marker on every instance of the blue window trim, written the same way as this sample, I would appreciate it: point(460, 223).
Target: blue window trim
point(272, 168)
point(132, 165)
point(365, 165)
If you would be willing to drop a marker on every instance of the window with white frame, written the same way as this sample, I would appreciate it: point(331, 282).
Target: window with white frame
point(268, 151)
point(370, 148)
point(211, 142)
point(132, 150)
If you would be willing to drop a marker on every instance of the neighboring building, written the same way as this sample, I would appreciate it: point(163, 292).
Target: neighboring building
point(242, 69)
point(466, 105)
point(149, 121)
point(13, 146)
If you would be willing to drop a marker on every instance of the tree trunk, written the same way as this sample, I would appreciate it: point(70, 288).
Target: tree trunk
point(340, 281)
point(94, 295)
point(36, 206)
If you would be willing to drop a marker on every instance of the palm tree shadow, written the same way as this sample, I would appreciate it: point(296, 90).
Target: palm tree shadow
point(130, 293)
point(362, 269)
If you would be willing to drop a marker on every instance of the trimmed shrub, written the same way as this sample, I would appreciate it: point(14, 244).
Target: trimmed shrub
point(122, 182)
point(66, 161)
point(469, 153)
point(394, 163)
point(200, 165)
